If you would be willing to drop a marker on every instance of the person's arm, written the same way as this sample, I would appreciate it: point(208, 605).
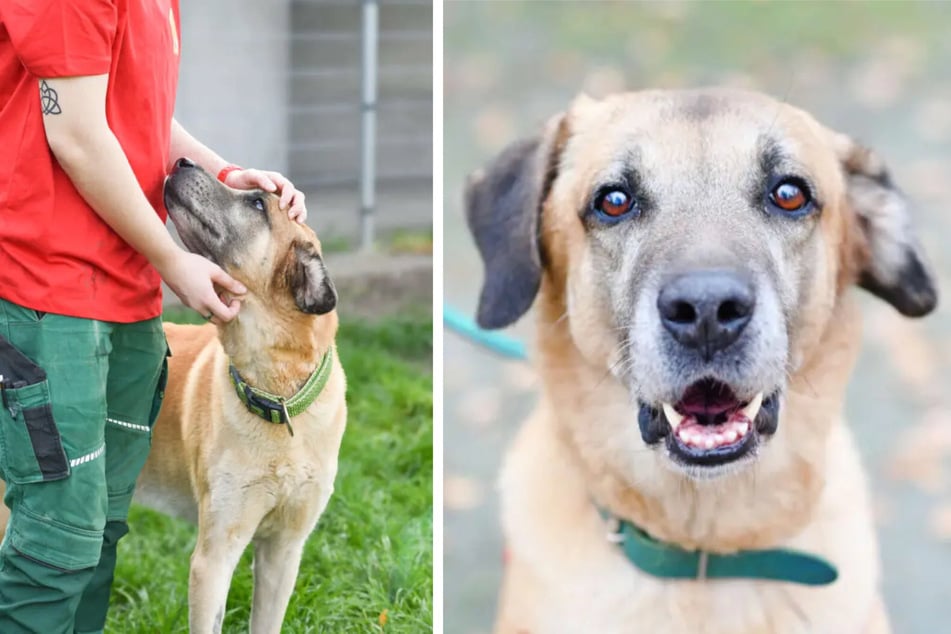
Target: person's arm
point(181, 143)
point(74, 115)
point(184, 144)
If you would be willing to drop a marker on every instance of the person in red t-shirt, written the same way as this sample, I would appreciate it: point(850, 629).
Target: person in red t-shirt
point(87, 92)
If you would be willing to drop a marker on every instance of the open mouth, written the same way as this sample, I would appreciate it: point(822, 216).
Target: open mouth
point(710, 426)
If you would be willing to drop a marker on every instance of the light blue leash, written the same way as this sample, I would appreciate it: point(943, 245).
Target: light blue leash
point(496, 342)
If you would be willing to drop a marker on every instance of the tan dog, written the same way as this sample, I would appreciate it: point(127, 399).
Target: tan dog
point(242, 478)
point(692, 254)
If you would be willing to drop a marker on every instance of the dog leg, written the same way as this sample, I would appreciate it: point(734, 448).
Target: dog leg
point(276, 562)
point(216, 554)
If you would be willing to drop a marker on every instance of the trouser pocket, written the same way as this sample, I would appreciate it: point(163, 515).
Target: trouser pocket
point(31, 449)
point(159, 396)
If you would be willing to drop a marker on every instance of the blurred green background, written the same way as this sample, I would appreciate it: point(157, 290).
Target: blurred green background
point(879, 71)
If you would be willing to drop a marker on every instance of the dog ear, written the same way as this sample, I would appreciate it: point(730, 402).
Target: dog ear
point(307, 278)
point(892, 264)
point(503, 206)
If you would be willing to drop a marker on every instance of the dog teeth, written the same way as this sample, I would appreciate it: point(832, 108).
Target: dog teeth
point(752, 408)
point(725, 435)
point(689, 437)
point(674, 418)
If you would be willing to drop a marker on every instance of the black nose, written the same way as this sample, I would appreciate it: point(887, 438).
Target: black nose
point(706, 310)
point(184, 162)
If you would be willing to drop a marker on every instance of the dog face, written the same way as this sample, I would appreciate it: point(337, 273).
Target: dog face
point(246, 233)
point(697, 243)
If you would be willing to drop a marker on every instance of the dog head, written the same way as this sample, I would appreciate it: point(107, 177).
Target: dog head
point(695, 245)
point(246, 233)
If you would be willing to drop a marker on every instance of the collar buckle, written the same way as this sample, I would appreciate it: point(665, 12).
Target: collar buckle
point(286, 416)
point(613, 534)
point(702, 565)
point(277, 409)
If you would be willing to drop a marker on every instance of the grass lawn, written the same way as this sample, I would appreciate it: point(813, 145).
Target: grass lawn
point(368, 565)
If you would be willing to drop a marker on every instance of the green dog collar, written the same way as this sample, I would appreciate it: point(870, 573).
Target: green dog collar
point(668, 561)
point(277, 409)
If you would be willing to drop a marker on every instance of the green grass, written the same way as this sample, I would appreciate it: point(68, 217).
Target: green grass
point(372, 551)
point(335, 244)
point(415, 242)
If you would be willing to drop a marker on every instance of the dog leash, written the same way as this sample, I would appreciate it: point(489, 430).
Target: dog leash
point(498, 343)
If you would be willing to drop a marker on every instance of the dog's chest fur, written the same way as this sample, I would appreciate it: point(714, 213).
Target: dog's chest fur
point(289, 478)
point(565, 577)
point(233, 457)
point(287, 491)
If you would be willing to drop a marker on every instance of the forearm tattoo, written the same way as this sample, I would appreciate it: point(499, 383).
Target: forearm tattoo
point(49, 98)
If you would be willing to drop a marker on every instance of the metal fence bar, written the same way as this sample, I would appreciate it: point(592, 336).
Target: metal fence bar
point(368, 138)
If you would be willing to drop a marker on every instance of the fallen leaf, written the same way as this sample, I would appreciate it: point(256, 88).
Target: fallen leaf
point(480, 407)
point(519, 376)
point(494, 127)
point(940, 522)
point(921, 452)
point(911, 353)
point(461, 493)
point(882, 509)
point(877, 84)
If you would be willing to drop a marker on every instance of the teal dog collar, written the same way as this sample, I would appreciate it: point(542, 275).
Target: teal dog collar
point(669, 561)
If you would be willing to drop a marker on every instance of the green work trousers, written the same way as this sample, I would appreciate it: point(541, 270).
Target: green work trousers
point(79, 400)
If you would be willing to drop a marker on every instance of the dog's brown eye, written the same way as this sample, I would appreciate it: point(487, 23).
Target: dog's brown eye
point(789, 196)
point(615, 203)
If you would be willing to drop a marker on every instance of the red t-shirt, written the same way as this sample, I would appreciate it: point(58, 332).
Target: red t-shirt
point(56, 254)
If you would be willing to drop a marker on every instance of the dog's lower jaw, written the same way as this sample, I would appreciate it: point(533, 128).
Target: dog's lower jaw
point(737, 449)
point(720, 508)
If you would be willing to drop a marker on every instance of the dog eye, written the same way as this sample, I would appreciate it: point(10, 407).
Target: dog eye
point(614, 204)
point(258, 204)
point(790, 196)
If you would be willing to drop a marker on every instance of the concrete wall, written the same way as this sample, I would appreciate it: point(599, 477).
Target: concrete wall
point(276, 84)
point(233, 83)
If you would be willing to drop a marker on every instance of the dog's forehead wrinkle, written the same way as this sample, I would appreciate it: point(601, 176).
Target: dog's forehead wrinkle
point(780, 154)
point(700, 107)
